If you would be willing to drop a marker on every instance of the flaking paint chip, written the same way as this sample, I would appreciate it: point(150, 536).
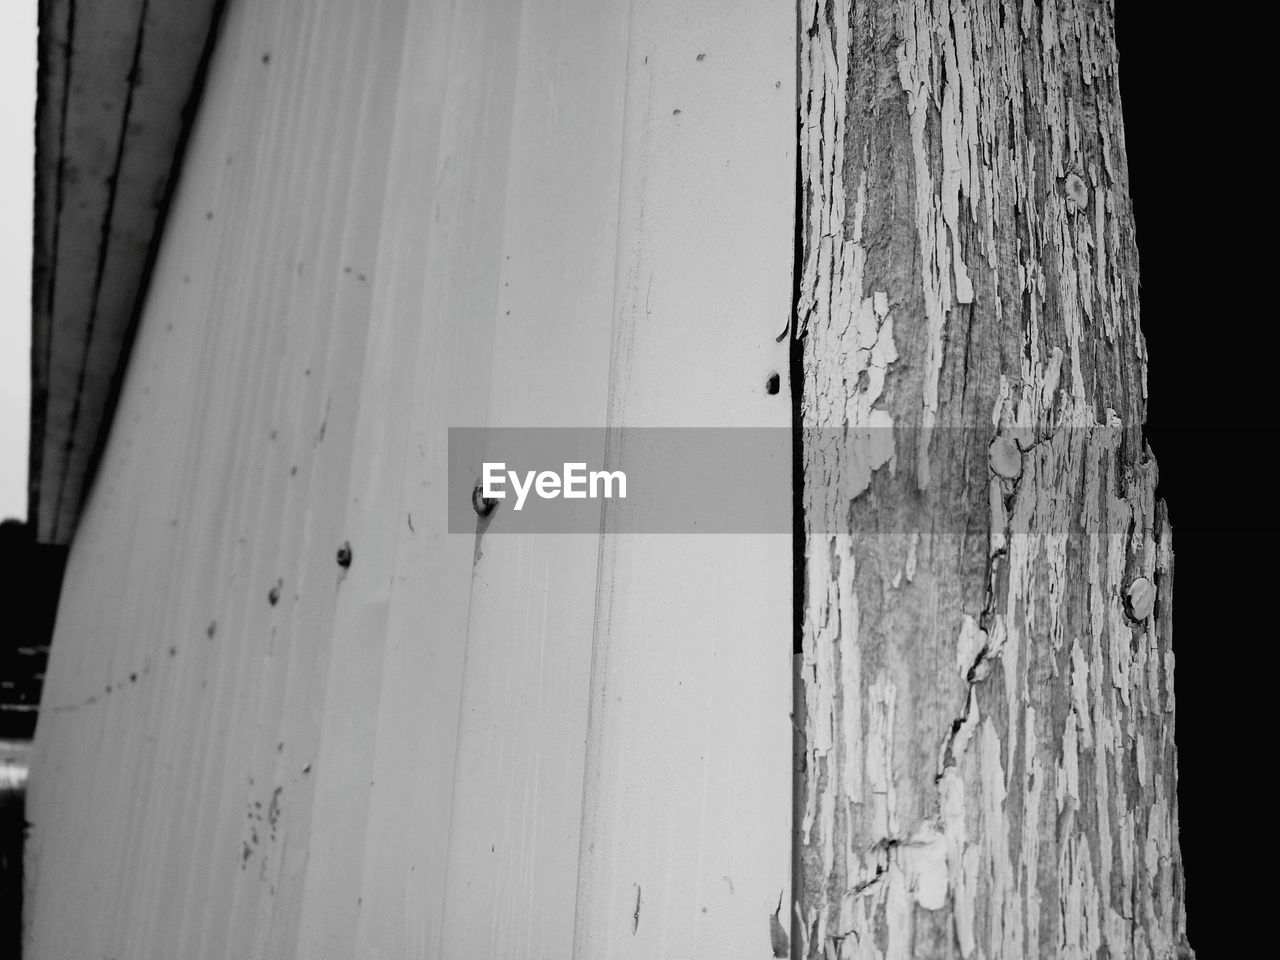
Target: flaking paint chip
point(1077, 190)
point(1006, 458)
point(1140, 598)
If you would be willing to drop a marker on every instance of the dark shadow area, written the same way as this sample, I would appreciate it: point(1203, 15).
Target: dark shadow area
point(13, 829)
point(1192, 176)
point(30, 578)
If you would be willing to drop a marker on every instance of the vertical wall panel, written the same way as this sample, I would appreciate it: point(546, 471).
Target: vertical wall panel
point(688, 771)
point(396, 218)
point(513, 852)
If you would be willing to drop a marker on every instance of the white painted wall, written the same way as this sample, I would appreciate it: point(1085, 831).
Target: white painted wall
point(398, 217)
point(17, 165)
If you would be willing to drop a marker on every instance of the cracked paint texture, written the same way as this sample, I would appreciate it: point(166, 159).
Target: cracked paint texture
point(988, 714)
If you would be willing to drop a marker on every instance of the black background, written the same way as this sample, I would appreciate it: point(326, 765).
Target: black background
point(1201, 187)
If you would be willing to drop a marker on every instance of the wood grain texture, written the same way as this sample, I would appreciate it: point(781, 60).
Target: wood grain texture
point(989, 765)
point(397, 217)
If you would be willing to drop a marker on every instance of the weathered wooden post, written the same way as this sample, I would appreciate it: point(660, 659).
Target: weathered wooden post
point(987, 676)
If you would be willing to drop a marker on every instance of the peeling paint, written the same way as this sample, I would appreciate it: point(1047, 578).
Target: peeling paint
point(989, 766)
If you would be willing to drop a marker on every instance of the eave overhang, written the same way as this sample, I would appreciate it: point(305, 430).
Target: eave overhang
point(118, 81)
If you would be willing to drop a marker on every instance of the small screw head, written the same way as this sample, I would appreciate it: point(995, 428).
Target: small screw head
point(482, 505)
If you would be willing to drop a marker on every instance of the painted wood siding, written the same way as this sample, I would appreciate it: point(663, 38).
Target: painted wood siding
point(395, 218)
